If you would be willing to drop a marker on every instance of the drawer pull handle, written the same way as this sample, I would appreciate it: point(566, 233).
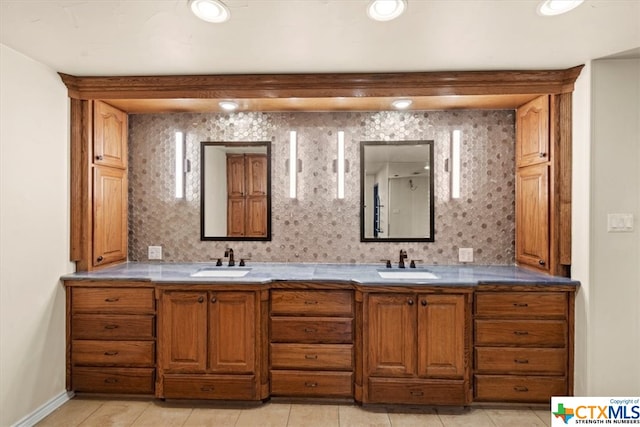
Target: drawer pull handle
point(207, 388)
point(307, 384)
point(110, 380)
point(521, 361)
point(521, 332)
point(311, 302)
point(311, 356)
point(521, 389)
point(111, 326)
point(520, 304)
point(309, 330)
point(417, 393)
point(116, 299)
point(110, 353)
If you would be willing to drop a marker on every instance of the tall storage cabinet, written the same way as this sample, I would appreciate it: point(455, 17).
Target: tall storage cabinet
point(99, 226)
point(246, 195)
point(543, 184)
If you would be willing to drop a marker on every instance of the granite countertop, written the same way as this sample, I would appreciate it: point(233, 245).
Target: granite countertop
point(366, 274)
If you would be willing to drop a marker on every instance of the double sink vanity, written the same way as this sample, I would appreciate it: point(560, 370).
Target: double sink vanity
point(434, 335)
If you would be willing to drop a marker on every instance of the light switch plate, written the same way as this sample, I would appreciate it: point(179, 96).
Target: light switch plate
point(155, 252)
point(465, 254)
point(619, 222)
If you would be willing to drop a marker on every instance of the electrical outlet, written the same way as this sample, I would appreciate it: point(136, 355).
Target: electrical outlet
point(155, 252)
point(465, 254)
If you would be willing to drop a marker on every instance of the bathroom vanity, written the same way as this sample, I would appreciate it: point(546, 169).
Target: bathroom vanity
point(482, 334)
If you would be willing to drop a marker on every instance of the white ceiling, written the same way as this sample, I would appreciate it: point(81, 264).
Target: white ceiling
point(161, 37)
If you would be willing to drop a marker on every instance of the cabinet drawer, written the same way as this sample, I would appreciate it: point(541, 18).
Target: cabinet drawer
point(549, 361)
point(312, 303)
point(88, 352)
point(312, 330)
point(539, 333)
point(112, 300)
point(114, 380)
point(112, 326)
point(513, 388)
point(305, 383)
point(423, 392)
point(312, 356)
point(521, 304)
point(225, 387)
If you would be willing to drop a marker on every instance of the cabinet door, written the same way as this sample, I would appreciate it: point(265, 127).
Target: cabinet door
point(110, 136)
point(235, 175)
point(109, 215)
point(391, 335)
point(256, 165)
point(532, 216)
point(232, 332)
point(183, 333)
point(236, 216)
point(256, 219)
point(532, 132)
point(441, 326)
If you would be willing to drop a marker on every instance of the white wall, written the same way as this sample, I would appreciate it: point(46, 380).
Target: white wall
point(34, 234)
point(614, 329)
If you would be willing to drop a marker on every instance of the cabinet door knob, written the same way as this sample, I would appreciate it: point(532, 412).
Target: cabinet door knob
point(410, 302)
point(99, 157)
point(213, 299)
point(423, 302)
point(201, 299)
point(541, 262)
point(100, 258)
point(542, 155)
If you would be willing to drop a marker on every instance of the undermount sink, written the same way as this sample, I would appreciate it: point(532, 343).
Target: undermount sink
point(221, 272)
point(406, 274)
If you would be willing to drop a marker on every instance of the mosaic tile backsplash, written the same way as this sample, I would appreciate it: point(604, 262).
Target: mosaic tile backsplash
point(317, 227)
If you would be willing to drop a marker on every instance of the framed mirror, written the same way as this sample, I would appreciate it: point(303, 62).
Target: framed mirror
point(396, 191)
point(235, 191)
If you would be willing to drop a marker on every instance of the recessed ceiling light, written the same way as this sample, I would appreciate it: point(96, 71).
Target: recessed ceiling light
point(210, 10)
point(228, 105)
point(401, 104)
point(557, 7)
point(386, 10)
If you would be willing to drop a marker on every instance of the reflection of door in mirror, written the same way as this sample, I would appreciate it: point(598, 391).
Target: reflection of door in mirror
point(235, 191)
point(397, 191)
point(246, 195)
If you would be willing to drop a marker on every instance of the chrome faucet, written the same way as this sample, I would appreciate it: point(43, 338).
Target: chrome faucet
point(229, 253)
point(403, 256)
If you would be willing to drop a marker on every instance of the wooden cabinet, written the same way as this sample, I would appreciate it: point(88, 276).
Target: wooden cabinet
point(416, 348)
point(523, 347)
point(99, 217)
point(111, 339)
point(543, 184)
point(208, 341)
point(109, 215)
point(312, 343)
point(247, 195)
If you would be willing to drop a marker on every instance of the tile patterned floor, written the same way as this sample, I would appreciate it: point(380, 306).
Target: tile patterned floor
point(91, 412)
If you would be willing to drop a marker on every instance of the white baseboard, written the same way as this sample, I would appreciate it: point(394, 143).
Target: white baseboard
point(46, 409)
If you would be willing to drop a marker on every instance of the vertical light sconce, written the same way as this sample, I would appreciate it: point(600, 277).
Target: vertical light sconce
point(455, 163)
point(180, 169)
point(293, 164)
point(340, 165)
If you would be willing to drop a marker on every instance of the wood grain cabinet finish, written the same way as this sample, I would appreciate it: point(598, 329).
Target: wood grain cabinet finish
point(543, 184)
point(523, 346)
point(110, 136)
point(109, 215)
point(416, 343)
point(208, 343)
point(312, 343)
point(112, 340)
point(247, 195)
